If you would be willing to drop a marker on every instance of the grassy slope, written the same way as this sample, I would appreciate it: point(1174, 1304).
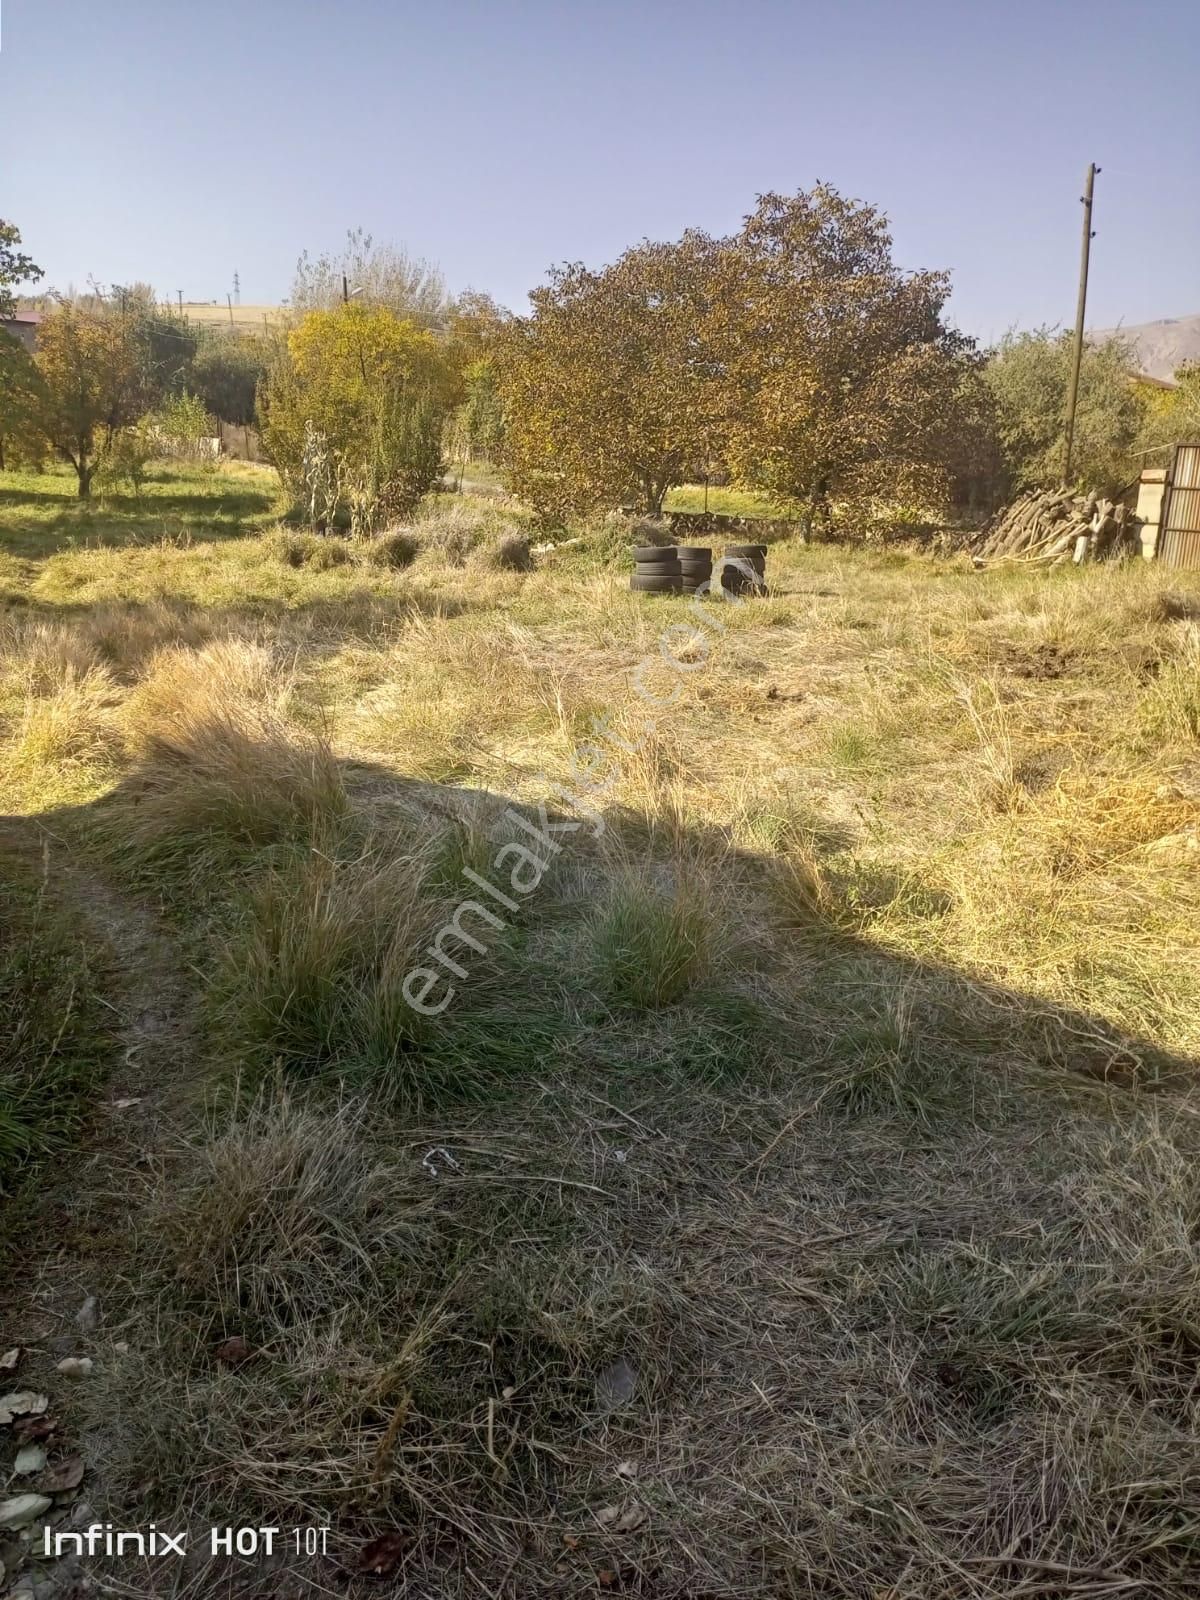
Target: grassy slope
point(830, 1101)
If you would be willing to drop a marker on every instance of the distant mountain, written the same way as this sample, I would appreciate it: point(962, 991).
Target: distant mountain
point(1161, 346)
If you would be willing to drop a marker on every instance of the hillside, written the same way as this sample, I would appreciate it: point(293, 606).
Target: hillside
point(1162, 346)
point(246, 318)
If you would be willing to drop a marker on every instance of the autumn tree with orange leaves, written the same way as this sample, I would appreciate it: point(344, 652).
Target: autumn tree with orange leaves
point(796, 351)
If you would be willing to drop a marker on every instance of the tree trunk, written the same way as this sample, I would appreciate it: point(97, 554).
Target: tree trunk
point(654, 493)
point(84, 471)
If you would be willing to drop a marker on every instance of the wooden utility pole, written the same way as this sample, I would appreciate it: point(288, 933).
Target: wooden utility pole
point(229, 303)
point(1080, 309)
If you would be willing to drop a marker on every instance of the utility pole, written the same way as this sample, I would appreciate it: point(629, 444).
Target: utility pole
point(179, 292)
point(345, 290)
point(1080, 309)
point(229, 303)
point(237, 289)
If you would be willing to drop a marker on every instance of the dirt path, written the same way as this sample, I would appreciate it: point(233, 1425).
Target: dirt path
point(76, 1237)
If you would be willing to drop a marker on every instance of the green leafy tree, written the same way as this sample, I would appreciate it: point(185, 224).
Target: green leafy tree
point(796, 352)
point(163, 345)
point(1170, 416)
point(125, 456)
point(373, 389)
point(21, 438)
point(480, 417)
point(15, 267)
point(89, 383)
point(185, 427)
point(225, 372)
point(1029, 375)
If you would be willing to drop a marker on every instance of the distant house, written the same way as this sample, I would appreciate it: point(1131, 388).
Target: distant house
point(23, 326)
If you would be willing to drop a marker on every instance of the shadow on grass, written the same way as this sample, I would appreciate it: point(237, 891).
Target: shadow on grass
point(786, 1169)
point(35, 526)
point(873, 1029)
point(126, 633)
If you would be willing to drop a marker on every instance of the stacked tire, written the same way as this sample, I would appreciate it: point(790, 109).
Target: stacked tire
point(735, 579)
point(656, 570)
point(695, 566)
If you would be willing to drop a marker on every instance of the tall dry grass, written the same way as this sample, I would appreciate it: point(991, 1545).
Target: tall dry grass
point(799, 1197)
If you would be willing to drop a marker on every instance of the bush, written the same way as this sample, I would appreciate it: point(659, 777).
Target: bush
point(314, 968)
point(399, 548)
point(455, 531)
point(125, 459)
point(406, 453)
point(373, 393)
point(182, 427)
point(509, 553)
point(315, 550)
point(219, 770)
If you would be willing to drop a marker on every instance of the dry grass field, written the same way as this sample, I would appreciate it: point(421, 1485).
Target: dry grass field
point(799, 1195)
point(244, 319)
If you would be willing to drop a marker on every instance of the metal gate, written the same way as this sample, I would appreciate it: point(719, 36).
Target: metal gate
point(1179, 535)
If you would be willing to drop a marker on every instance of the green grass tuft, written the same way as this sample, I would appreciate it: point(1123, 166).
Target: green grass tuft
point(649, 946)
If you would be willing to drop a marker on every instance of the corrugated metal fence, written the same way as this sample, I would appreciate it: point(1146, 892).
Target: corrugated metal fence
point(1179, 539)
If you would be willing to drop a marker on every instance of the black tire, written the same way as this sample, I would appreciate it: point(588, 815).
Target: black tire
point(644, 585)
point(695, 569)
point(653, 552)
point(759, 550)
point(658, 569)
point(697, 552)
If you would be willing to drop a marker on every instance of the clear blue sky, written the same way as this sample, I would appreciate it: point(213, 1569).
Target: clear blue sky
point(174, 142)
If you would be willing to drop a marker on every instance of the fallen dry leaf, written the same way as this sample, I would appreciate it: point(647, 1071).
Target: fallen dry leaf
point(68, 1474)
point(621, 1520)
point(21, 1510)
point(381, 1556)
point(9, 1359)
point(22, 1402)
point(232, 1352)
point(571, 1540)
point(30, 1458)
point(606, 1578)
point(627, 1469)
point(35, 1427)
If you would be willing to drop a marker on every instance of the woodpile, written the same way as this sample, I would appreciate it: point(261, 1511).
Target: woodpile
point(1049, 527)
